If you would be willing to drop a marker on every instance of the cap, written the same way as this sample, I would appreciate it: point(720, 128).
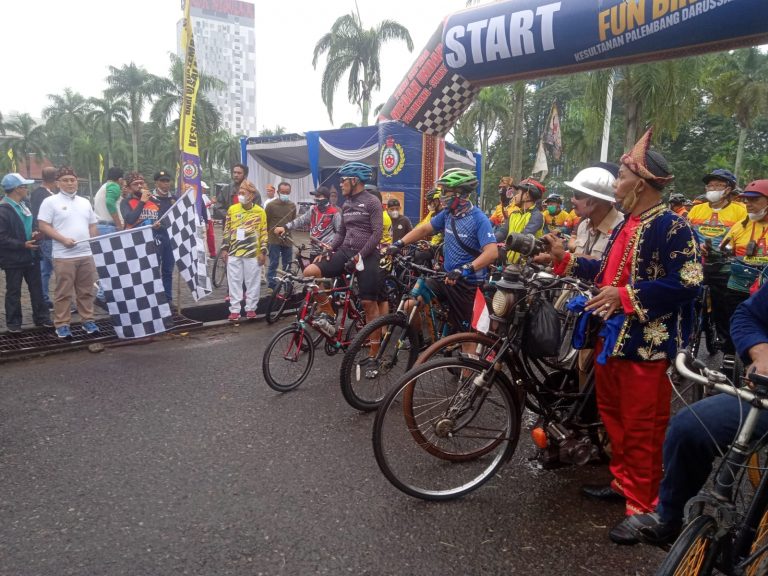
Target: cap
point(162, 175)
point(393, 202)
point(204, 186)
point(720, 174)
point(754, 189)
point(14, 180)
point(322, 191)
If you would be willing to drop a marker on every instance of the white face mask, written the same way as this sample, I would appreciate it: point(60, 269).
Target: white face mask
point(714, 196)
point(757, 216)
point(68, 194)
point(394, 214)
point(242, 199)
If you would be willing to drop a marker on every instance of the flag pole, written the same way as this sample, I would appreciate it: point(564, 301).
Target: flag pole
point(607, 119)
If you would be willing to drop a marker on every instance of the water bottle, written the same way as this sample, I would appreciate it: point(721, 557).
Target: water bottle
point(325, 326)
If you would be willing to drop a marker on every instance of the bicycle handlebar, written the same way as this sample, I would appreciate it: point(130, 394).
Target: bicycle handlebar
point(715, 380)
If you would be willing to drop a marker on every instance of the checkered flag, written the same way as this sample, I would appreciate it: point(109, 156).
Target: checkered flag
point(181, 223)
point(453, 97)
point(129, 274)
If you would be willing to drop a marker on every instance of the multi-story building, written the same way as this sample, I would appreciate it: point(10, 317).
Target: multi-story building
point(225, 42)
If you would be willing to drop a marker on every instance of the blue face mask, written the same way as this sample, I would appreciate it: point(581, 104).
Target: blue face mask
point(285, 197)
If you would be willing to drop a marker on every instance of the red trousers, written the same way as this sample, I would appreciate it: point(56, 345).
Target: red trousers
point(210, 239)
point(634, 403)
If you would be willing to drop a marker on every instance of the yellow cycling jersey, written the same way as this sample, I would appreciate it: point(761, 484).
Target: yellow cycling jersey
point(557, 220)
point(386, 233)
point(245, 231)
point(713, 225)
point(436, 238)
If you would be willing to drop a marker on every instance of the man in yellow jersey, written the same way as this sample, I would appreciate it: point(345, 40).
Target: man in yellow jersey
point(528, 219)
point(244, 248)
point(505, 206)
point(711, 221)
point(555, 218)
point(748, 240)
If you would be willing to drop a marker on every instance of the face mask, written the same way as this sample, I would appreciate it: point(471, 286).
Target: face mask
point(68, 194)
point(284, 197)
point(630, 200)
point(394, 214)
point(714, 196)
point(242, 199)
point(757, 216)
point(322, 204)
point(552, 210)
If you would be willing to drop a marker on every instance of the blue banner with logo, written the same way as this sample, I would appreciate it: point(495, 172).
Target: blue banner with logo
point(531, 38)
point(400, 166)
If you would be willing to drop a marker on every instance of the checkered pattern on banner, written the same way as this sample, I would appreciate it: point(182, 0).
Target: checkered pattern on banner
point(181, 223)
point(454, 97)
point(129, 273)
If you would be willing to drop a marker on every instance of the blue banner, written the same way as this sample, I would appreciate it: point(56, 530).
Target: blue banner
point(531, 38)
point(400, 166)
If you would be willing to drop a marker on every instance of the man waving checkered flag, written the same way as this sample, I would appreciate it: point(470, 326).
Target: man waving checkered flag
point(181, 223)
point(129, 273)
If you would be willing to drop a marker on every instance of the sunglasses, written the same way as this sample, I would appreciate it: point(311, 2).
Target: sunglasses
point(346, 178)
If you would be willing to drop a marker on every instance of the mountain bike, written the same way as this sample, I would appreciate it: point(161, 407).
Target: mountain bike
point(727, 522)
point(285, 288)
point(364, 376)
point(290, 354)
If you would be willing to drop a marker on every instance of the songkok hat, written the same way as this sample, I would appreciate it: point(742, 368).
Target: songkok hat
point(648, 164)
point(65, 171)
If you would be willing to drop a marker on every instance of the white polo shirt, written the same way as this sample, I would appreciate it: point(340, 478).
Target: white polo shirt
point(71, 218)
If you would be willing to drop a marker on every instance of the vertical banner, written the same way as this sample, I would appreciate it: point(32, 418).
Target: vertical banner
point(101, 169)
point(400, 166)
point(189, 179)
point(13, 162)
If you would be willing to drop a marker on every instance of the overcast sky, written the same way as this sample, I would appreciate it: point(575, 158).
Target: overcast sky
point(49, 45)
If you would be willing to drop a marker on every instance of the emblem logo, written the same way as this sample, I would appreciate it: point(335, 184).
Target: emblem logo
point(189, 171)
point(391, 158)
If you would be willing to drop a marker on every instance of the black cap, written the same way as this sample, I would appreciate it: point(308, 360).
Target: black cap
point(162, 175)
point(393, 202)
point(322, 191)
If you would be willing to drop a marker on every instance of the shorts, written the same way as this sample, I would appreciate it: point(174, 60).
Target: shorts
point(460, 299)
point(367, 280)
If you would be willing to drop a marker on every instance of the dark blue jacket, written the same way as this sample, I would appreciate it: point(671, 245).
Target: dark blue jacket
point(665, 274)
point(749, 324)
point(13, 252)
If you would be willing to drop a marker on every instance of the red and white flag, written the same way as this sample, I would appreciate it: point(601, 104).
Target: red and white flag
point(481, 319)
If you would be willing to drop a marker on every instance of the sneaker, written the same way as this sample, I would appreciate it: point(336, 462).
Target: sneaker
point(45, 324)
point(250, 315)
point(64, 332)
point(90, 327)
point(14, 329)
point(234, 317)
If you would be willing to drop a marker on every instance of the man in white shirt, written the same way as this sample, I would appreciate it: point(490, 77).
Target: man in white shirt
point(70, 221)
point(270, 194)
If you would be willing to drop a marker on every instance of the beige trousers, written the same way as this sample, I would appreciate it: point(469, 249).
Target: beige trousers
point(74, 277)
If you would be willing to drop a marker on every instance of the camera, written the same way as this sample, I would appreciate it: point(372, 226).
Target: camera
point(525, 244)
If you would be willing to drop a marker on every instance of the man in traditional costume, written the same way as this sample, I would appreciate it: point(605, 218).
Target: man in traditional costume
point(648, 279)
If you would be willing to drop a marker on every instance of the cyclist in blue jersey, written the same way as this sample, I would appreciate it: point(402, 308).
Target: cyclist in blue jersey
point(469, 246)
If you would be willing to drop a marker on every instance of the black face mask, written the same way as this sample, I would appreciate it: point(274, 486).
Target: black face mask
point(322, 205)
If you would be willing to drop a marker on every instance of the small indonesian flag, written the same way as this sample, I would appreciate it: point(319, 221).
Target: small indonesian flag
point(481, 319)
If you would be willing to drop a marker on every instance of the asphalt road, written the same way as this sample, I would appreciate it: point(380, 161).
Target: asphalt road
point(176, 458)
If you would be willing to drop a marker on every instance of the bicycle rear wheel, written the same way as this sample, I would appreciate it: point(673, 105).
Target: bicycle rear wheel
point(438, 436)
point(694, 551)
point(365, 379)
point(219, 271)
point(278, 300)
point(288, 359)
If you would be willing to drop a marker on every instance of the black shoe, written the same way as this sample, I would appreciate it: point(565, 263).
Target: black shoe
point(626, 532)
point(601, 492)
point(14, 329)
point(45, 324)
point(50, 305)
point(653, 531)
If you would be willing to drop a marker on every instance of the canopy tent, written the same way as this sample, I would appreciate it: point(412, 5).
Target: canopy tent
point(313, 158)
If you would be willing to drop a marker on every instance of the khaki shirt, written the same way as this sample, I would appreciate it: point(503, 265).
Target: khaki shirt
point(591, 241)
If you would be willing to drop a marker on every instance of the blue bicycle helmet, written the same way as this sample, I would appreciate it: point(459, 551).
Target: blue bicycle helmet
point(361, 171)
point(721, 174)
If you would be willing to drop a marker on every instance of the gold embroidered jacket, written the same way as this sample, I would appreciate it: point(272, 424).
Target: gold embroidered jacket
point(665, 274)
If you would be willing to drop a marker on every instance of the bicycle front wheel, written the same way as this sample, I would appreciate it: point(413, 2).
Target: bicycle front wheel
point(278, 300)
point(288, 359)
point(438, 435)
point(219, 272)
point(366, 378)
point(693, 553)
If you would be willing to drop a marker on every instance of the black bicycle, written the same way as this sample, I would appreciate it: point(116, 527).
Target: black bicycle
point(727, 522)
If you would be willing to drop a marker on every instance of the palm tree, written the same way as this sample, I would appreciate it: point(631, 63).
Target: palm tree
point(487, 114)
point(29, 138)
point(162, 145)
point(65, 119)
point(86, 157)
point(106, 114)
point(739, 88)
point(137, 86)
point(353, 49)
point(224, 150)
